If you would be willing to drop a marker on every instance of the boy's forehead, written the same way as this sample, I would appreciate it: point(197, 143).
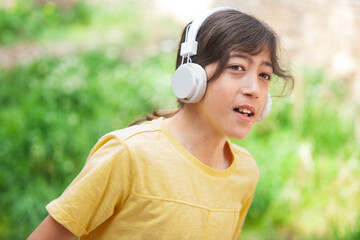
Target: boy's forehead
point(264, 55)
point(264, 52)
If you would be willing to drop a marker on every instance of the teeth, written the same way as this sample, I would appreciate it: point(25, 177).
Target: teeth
point(244, 110)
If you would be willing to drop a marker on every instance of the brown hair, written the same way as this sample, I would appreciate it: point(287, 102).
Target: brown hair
point(228, 30)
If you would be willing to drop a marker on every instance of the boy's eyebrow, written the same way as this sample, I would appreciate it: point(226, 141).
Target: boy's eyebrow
point(239, 55)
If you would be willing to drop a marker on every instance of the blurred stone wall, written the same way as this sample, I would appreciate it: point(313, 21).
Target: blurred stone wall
point(6, 3)
point(61, 3)
point(316, 33)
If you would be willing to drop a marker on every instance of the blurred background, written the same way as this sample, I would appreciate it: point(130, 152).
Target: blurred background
point(73, 70)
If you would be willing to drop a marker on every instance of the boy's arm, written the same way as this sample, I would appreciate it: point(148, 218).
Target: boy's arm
point(51, 229)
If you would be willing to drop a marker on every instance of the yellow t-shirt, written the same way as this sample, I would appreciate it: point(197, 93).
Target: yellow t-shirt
point(141, 183)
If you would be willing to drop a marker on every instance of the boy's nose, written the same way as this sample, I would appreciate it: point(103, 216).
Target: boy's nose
point(250, 85)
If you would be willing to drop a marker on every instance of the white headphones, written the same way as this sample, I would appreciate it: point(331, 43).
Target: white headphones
point(189, 80)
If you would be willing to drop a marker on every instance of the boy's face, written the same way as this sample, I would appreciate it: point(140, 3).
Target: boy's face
point(234, 101)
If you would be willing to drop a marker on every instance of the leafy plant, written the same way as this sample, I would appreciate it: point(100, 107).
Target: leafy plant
point(308, 158)
point(53, 112)
point(27, 20)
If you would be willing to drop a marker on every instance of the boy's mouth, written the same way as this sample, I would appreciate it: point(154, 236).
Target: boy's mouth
point(244, 111)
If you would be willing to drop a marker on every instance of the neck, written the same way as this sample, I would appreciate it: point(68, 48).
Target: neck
point(196, 135)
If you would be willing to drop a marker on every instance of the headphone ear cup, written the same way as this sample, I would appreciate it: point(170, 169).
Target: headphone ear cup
point(266, 109)
point(189, 83)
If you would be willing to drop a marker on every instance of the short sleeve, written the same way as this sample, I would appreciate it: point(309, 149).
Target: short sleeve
point(243, 213)
point(253, 178)
point(102, 186)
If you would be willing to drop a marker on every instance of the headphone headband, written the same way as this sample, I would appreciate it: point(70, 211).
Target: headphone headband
point(189, 46)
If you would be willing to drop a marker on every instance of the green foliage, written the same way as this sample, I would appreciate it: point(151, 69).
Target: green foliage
point(308, 155)
point(27, 19)
point(53, 112)
point(347, 233)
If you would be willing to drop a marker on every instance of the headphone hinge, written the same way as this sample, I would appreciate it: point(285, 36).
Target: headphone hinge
point(188, 48)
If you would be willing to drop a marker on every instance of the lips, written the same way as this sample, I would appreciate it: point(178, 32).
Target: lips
point(245, 112)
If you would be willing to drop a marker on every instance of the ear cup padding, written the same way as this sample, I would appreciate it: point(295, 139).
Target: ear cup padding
point(266, 109)
point(189, 83)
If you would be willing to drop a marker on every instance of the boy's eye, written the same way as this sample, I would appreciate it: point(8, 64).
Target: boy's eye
point(236, 68)
point(265, 76)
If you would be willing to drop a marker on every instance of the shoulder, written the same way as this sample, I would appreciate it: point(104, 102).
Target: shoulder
point(240, 150)
point(138, 135)
point(243, 156)
point(138, 131)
